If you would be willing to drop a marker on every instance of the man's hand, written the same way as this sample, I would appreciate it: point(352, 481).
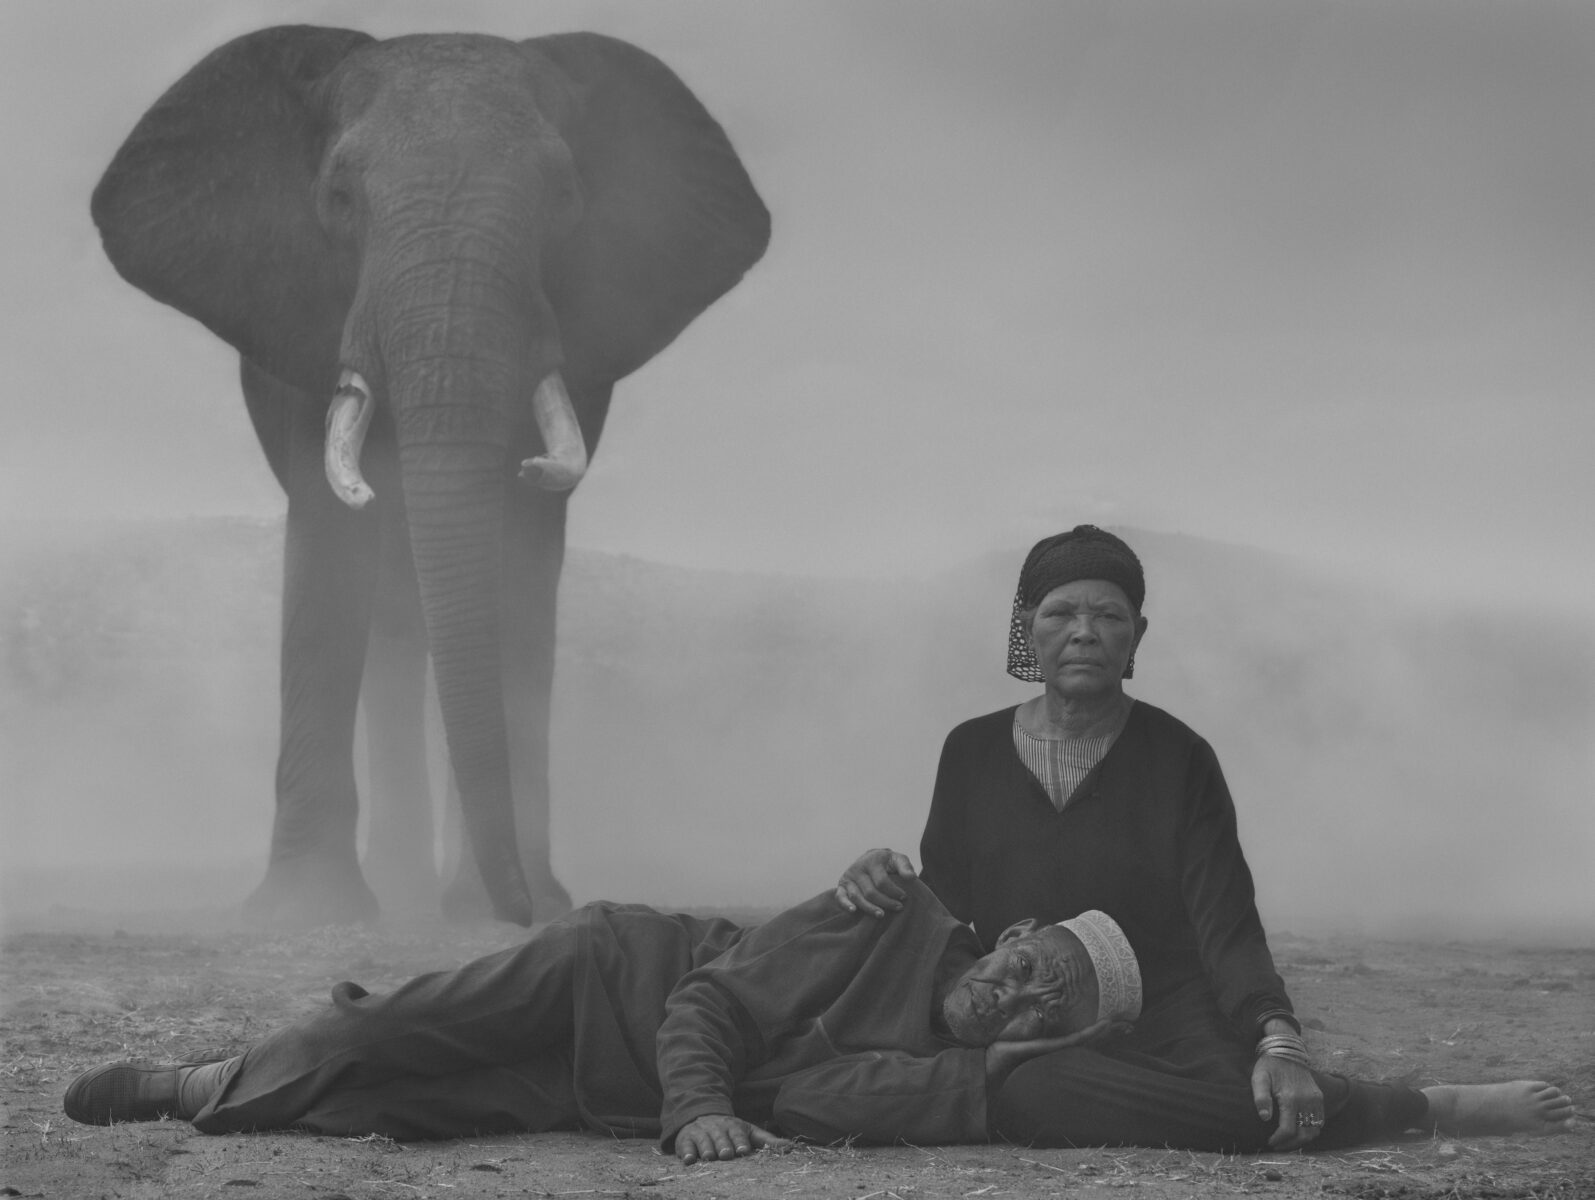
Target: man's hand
point(1288, 1091)
point(722, 1137)
point(869, 884)
point(1003, 1057)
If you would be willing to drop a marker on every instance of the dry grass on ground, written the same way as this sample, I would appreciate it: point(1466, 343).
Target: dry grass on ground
point(79, 990)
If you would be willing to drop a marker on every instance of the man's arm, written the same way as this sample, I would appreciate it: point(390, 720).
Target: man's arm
point(888, 1096)
point(705, 1045)
point(781, 973)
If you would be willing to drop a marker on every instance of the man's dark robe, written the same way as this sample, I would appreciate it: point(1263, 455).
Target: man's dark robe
point(633, 1022)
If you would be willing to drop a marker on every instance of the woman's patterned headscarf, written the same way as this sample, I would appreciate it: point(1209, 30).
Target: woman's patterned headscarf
point(1085, 552)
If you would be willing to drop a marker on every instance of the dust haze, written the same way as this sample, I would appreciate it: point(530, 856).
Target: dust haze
point(1290, 274)
point(731, 739)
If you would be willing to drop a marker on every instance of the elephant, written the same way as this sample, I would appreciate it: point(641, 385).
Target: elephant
point(435, 256)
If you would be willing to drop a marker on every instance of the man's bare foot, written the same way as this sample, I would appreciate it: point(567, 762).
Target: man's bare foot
point(1522, 1106)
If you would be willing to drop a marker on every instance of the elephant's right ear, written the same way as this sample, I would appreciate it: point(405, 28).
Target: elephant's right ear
point(208, 205)
point(670, 219)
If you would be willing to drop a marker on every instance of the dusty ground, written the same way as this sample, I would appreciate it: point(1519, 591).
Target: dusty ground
point(80, 990)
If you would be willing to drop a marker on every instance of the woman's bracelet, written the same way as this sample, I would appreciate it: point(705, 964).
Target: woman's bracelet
point(1288, 1046)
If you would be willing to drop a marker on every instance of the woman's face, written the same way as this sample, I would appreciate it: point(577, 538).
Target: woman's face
point(1083, 634)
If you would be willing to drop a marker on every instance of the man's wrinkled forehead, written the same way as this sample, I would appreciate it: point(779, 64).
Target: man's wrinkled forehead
point(1050, 951)
point(1060, 943)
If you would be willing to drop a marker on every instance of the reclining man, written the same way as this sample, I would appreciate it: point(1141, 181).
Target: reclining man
point(821, 1024)
point(632, 1022)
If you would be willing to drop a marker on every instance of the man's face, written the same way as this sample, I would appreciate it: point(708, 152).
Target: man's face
point(1037, 983)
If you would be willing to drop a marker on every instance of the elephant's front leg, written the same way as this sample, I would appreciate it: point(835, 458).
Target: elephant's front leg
point(329, 563)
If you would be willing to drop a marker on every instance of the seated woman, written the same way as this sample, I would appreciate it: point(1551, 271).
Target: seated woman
point(1084, 798)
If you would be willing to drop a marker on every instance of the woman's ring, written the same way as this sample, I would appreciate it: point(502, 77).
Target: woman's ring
point(1309, 1120)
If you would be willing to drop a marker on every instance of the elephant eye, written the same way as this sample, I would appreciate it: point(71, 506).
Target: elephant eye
point(337, 206)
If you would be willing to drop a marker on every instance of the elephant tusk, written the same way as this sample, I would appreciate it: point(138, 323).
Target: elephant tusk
point(348, 418)
point(563, 466)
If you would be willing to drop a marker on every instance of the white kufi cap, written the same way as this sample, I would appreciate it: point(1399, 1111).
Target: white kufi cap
point(1118, 972)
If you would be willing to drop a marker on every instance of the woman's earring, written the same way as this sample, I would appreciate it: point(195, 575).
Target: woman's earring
point(1129, 667)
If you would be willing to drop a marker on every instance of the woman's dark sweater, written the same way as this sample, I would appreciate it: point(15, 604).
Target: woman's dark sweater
point(1149, 838)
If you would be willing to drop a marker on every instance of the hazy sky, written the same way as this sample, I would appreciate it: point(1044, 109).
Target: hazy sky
point(1318, 277)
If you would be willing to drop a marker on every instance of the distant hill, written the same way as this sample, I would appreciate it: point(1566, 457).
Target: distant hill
point(735, 738)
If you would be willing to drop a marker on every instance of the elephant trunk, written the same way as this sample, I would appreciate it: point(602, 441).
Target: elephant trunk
point(453, 465)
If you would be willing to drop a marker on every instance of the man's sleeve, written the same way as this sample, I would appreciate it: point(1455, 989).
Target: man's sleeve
point(888, 1096)
point(721, 1017)
point(705, 1045)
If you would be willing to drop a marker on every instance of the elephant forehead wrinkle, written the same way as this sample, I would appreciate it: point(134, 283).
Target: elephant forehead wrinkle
point(464, 200)
point(416, 258)
point(465, 49)
point(469, 85)
point(466, 56)
point(498, 192)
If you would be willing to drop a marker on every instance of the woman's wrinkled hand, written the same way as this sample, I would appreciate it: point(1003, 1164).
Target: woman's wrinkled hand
point(1003, 1057)
point(1287, 1091)
point(714, 1137)
point(871, 883)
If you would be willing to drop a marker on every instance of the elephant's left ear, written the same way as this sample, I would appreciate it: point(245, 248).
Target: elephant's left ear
point(208, 204)
point(670, 220)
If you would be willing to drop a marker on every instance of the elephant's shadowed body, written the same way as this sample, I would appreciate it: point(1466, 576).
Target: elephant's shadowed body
point(462, 235)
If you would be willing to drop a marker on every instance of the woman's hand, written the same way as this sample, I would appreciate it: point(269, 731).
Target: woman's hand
point(1287, 1090)
point(722, 1137)
point(869, 884)
point(1003, 1057)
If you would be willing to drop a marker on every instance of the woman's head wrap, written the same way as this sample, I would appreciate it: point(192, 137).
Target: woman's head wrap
point(1085, 552)
point(1118, 972)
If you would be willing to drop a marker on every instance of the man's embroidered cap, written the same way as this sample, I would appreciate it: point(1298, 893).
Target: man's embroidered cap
point(1118, 972)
